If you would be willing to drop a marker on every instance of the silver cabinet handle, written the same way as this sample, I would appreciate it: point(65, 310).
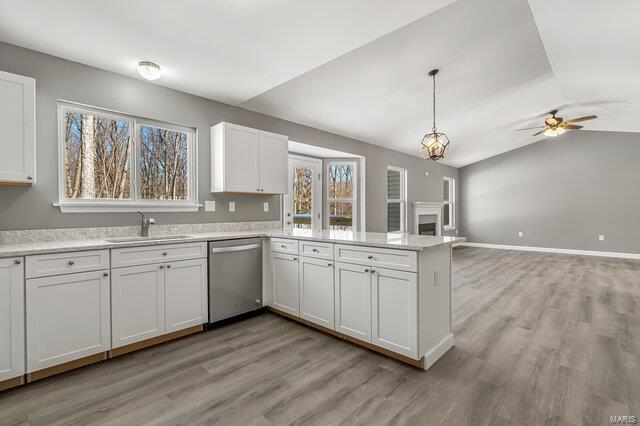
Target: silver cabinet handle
point(168, 266)
point(366, 270)
point(258, 302)
point(370, 257)
point(262, 190)
point(235, 248)
point(17, 261)
point(373, 271)
point(106, 274)
point(295, 258)
point(29, 177)
point(315, 250)
point(283, 246)
point(161, 266)
point(71, 262)
point(164, 253)
point(329, 264)
point(258, 189)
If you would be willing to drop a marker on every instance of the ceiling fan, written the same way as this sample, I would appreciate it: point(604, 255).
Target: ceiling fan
point(555, 126)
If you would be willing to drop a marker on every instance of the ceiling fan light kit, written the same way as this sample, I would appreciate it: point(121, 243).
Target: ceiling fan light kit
point(434, 144)
point(555, 126)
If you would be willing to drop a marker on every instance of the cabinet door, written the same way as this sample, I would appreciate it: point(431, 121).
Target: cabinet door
point(67, 318)
point(17, 121)
point(316, 291)
point(137, 303)
point(286, 292)
point(353, 300)
point(274, 160)
point(185, 284)
point(241, 159)
point(394, 304)
point(11, 318)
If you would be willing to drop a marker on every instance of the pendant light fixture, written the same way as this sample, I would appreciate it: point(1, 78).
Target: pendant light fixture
point(434, 144)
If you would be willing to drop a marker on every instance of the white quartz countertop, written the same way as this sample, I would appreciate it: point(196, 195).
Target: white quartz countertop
point(372, 239)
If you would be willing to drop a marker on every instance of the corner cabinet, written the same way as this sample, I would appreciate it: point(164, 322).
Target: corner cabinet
point(248, 160)
point(17, 121)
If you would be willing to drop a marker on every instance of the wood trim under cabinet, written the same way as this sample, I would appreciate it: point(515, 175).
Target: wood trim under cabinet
point(413, 362)
point(67, 366)
point(154, 341)
point(11, 383)
point(16, 183)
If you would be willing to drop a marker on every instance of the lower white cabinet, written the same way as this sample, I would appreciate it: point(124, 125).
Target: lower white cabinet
point(137, 303)
point(316, 291)
point(68, 318)
point(286, 291)
point(394, 311)
point(11, 318)
point(152, 300)
point(185, 294)
point(353, 300)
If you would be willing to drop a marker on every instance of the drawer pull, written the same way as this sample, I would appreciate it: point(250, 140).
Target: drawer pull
point(164, 253)
point(72, 262)
point(315, 250)
point(329, 264)
point(17, 261)
point(295, 258)
point(370, 257)
point(373, 271)
point(168, 266)
point(106, 274)
point(161, 266)
point(283, 246)
point(366, 270)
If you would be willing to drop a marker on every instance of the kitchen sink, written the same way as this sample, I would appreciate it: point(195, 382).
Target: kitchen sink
point(154, 238)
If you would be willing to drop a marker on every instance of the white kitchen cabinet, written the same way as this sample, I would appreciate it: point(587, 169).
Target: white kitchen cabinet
point(12, 337)
point(316, 291)
point(248, 160)
point(68, 318)
point(353, 300)
point(286, 291)
point(138, 303)
point(185, 294)
point(17, 121)
point(394, 311)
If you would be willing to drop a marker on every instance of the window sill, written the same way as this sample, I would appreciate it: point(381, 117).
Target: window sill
point(124, 208)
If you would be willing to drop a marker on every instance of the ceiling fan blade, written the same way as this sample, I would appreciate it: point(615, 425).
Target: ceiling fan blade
point(579, 119)
point(572, 127)
point(539, 133)
point(530, 128)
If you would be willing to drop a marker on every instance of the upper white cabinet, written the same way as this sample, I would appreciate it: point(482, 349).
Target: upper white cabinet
point(248, 160)
point(17, 121)
point(11, 318)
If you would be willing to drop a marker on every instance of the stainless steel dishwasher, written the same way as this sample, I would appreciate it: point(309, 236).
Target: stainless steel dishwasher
point(235, 277)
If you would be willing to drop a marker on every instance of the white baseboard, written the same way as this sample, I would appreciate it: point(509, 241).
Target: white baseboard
point(556, 250)
point(437, 351)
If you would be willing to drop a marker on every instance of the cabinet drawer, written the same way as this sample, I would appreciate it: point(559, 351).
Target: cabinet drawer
point(316, 249)
point(284, 246)
point(44, 265)
point(157, 254)
point(404, 260)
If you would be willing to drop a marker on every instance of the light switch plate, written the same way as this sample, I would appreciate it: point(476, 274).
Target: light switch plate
point(209, 206)
point(265, 207)
point(601, 237)
point(520, 234)
point(232, 206)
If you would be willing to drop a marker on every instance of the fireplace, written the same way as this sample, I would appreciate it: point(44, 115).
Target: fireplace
point(427, 229)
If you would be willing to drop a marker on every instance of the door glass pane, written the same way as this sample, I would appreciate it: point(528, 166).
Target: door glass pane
point(341, 181)
point(445, 195)
point(302, 197)
point(340, 216)
point(393, 184)
point(393, 217)
point(447, 216)
point(163, 164)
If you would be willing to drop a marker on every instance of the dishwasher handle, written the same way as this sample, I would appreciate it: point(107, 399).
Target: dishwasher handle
point(235, 248)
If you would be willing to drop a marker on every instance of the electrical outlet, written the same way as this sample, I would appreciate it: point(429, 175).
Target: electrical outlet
point(520, 234)
point(265, 207)
point(209, 206)
point(601, 237)
point(232, 206)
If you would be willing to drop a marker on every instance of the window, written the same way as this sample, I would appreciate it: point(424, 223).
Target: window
point(449, 198)
point(396, 199)
point(116, 162)
point(342, 195)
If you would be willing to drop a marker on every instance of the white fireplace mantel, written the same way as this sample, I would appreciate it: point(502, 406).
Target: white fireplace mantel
point(427, 208)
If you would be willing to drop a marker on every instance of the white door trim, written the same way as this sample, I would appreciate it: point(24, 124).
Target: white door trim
point(316, 211)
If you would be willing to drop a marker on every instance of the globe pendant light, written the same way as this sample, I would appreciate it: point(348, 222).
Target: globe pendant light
point(434, 144)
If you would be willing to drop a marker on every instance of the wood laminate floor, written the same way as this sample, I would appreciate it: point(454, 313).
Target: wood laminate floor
point(540, 339)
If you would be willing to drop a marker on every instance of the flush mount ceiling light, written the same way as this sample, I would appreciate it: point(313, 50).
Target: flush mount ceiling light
point(434, 144)
point(149, 70)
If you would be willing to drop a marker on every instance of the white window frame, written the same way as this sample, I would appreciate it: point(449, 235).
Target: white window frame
point(67, 205)
point(451, 204)
point(402, 200)
point(353, 201)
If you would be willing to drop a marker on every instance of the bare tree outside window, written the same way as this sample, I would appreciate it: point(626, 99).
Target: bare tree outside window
point(163, 161)
point(341, 194)
point(302, 197)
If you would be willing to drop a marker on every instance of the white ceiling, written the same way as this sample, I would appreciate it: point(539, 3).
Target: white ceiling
point(358, 67)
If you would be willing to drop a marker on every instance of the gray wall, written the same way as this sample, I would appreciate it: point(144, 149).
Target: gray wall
point(561, 193)
point(57, 78)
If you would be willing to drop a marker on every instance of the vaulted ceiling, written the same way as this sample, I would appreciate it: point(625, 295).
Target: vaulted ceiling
point(358, 68)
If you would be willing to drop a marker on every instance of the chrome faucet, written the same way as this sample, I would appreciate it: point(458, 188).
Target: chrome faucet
point(144, 231)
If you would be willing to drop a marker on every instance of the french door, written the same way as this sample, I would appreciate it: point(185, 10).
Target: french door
point(302, 203)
